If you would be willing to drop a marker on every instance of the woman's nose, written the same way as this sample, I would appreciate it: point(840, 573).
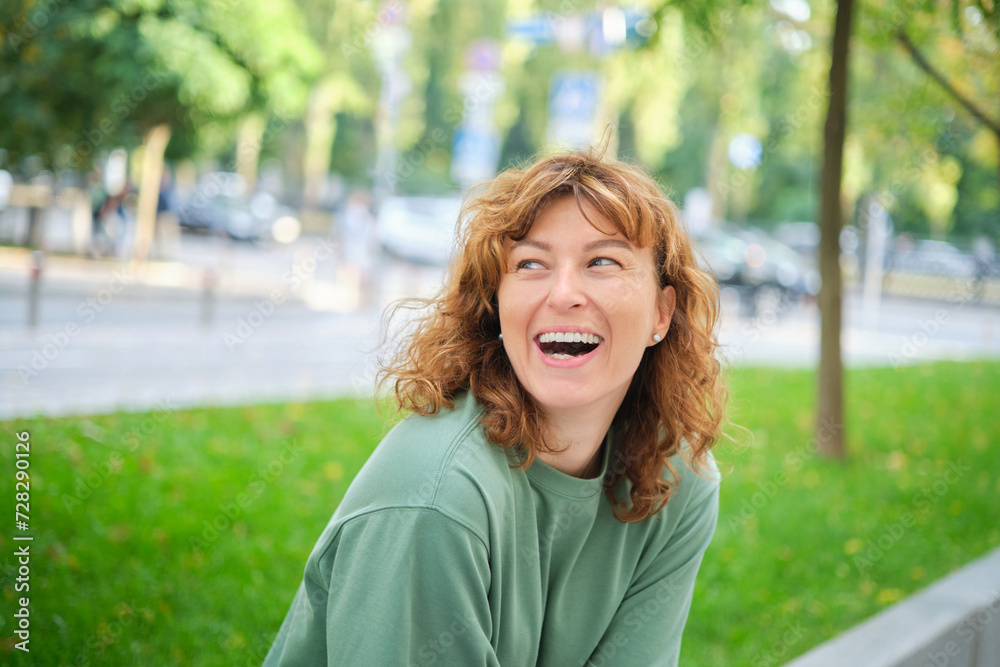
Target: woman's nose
point(567, 290)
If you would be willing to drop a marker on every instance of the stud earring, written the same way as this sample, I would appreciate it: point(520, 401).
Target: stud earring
point(657, 338)
point(500, 336)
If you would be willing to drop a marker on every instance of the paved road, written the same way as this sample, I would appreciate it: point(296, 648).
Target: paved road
point(288, 323)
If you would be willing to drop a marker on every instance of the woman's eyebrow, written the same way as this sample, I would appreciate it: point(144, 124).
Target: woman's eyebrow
point(534, 244)
point(593, 245)
point(608, 243)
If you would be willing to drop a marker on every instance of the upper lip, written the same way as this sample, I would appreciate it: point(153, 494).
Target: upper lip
point(566, 328)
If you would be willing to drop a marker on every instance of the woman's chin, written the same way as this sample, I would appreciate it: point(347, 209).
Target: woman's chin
point(561, 396)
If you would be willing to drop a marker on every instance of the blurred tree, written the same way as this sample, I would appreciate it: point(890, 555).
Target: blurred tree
point(86, 76)
point(347, 86)
point(749, 71)
point(444, 81)
point(645, 88)
point(923, 155)
point(830, 432)
point(830, 407)
point(965, 55)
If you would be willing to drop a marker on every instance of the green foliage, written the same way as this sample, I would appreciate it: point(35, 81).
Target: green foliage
point(83, 77)
point(913, 140)
point(908, 139)
point(180, 537)
point(78, 78)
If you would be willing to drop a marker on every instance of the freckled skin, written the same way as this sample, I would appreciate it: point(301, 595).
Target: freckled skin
point(567, 272)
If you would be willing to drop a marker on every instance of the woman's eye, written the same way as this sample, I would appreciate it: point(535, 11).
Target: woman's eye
point(604, 261)
point(529, 264)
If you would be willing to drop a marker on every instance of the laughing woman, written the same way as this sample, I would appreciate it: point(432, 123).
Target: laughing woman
point(550, 497)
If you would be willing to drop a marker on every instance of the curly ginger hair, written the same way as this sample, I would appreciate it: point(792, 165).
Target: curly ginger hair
point(676, 395)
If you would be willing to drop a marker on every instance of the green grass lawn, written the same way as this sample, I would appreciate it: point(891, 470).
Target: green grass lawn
point(180, 537)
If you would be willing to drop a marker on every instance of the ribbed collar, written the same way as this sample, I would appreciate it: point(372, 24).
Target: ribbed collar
point(542, 474)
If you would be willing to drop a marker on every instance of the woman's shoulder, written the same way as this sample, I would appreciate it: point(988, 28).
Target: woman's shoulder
point(695, 491)
point(699, 475)
point(443, 462)
point(697, 479)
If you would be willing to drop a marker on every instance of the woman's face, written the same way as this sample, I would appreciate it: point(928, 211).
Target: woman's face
point(578, 307)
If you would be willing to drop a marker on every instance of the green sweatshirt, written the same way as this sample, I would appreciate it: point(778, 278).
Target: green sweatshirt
point(441, 554)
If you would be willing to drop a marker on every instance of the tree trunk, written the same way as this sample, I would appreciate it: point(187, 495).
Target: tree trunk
point(248, 145)
point(154, 146)
point(830, 411)
point(321, 128)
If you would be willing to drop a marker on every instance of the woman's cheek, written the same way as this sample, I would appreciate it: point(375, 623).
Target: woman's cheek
point(616, 296)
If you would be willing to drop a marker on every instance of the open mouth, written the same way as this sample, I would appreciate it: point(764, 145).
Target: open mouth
point(569, 344)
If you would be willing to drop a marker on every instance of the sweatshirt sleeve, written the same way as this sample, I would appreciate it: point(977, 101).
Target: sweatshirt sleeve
point(397, 586)
point(646, 630)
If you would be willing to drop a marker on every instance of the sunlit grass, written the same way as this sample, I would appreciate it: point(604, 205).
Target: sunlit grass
point(808, 547)
point(179, 538)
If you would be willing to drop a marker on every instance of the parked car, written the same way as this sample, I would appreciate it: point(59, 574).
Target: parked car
point(419, 229)
point(935, 257)
point(783, 267)
point(802, 237)
point(220, 205)
point(763, 271)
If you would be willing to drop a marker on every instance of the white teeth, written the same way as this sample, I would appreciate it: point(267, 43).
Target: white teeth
point(561, 356)
point(570, 337)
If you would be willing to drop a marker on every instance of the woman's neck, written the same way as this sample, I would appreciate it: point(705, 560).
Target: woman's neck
point(576, 436)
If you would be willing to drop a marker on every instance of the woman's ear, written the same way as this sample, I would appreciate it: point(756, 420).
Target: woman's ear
point(668, 301)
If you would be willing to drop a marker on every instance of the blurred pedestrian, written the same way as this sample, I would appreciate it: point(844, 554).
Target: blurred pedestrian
point(360, 242)
point(983, 253)
point(167, 229)
point(107, 216)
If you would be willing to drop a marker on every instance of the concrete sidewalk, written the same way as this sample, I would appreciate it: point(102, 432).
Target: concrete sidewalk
point(951, 623)
point(289, 324)
point(115, 336)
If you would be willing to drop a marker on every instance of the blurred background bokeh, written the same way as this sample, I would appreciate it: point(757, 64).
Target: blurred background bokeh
point(262, 121)
point(314, 154)
point(212, 202)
